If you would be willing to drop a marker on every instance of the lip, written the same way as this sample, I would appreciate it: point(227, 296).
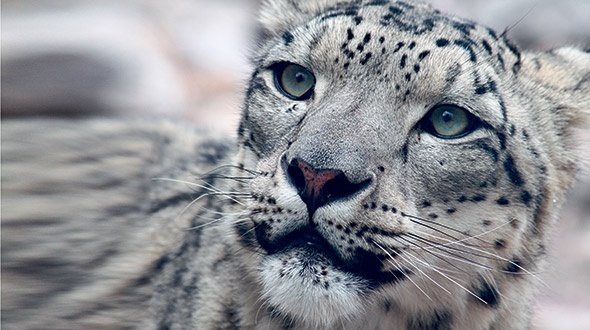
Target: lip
point(364, 265)
point(306, 238)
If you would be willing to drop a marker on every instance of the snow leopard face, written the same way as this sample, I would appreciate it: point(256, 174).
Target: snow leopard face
point(399, 164)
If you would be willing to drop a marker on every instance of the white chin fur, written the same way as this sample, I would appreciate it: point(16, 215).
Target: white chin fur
point(295, 286)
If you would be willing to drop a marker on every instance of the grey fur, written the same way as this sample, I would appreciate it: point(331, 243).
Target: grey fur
point(452, 231)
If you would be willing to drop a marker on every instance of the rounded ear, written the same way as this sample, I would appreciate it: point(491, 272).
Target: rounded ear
point(561, 76)
point(278, 16)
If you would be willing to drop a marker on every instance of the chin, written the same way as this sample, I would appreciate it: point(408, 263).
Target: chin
point(303, 285)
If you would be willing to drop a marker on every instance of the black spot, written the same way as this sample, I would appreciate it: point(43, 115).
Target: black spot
point(462, 199)
point(489, 294)
point(514, 267)
point(346, 65)
point(426, 203)
point(366, 58)
point(439, 320)
point(487, 46)
point(408, 77)
point(487, 222)
point(493, 152)
point(358, 20)
point(287, 37)
point(502, 139)
point(402, 63)
point(512, 172)
point(387, 305)
point(513, 223)
point(525, 197)
point(481, 90)
point(451, 211)
point(422, 55)
point(442, 42)
point(416, 68)
point(348, 54)
point(385, 208)
point(464, 27)
point(412, 45)
point(499, 244)
point(407, 92)
point(350, 35)
point(467, 46)
point(381, 40)
point(405, 153)
point(433, 215)
point(516, 52)
point(492, 33)
point(398, 47)
point(360, 48)
point(367, 38)
point(395, 10)
point(478, 198)
point(381, 168)
point(502, 201)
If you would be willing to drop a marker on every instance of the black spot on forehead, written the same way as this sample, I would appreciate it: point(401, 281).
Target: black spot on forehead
point(423, 55)
point(365, 59)
point(442, 42)
point(287, 38)
point(349, 34)
point(467, 45)
point(402, 63)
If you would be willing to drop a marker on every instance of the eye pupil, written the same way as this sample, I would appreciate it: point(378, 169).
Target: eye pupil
point(299, 77)
point(294, 81)
point(447, 116)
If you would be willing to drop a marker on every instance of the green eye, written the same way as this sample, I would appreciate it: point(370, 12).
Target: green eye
point(449, 122)
point(294, 81)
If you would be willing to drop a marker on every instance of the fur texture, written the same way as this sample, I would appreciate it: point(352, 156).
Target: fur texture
point(152, 224)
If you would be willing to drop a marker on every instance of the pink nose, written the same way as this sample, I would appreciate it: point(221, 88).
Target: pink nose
point(318, 187)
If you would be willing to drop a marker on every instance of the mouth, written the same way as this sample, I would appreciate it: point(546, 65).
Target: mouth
point(312, 248)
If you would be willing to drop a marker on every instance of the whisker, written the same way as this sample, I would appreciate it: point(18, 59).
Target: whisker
point(221, 167)
point(453, 255)
point(418, 219)
point(401, 255)
point(434, 255)
point(398, 266)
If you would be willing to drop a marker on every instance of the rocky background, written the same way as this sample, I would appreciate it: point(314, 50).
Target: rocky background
point(188, 59)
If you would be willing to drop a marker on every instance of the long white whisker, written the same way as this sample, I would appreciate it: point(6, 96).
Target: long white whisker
point(398, 266)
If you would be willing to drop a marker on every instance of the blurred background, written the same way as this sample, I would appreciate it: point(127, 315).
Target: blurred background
point(189, 59)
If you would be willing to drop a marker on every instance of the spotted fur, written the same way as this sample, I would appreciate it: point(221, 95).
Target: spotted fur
point(433, 234)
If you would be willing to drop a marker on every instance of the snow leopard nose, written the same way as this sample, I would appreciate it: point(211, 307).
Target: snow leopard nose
point(317, 187)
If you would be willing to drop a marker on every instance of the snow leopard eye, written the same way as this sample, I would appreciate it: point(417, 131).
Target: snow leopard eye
point(294, 81)
point(449, 122)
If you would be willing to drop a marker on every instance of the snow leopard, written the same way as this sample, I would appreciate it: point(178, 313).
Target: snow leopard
point(395, 167)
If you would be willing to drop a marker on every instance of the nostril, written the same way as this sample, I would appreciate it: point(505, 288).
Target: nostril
point(319, 187)
point(339, 187)
point(296, 177)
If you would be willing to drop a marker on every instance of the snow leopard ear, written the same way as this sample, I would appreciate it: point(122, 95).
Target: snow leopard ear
point(561, 81)
point(277, 16)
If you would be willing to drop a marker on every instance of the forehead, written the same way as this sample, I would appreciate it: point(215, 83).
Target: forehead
point(401, 46)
